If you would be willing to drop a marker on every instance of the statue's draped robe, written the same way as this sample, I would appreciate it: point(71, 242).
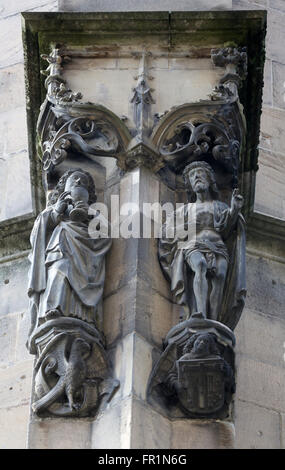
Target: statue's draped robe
point(67, 269)
point(171, 254)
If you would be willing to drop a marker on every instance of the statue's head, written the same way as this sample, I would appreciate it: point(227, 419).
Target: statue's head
point(201, 345)
point(77, 178)
point(199, 177)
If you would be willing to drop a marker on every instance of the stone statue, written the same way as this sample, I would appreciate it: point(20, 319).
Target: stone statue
point(201, 260)
point(66, 284)
point(205, 265)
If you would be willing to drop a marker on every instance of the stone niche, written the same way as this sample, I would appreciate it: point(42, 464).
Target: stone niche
point(133, 98)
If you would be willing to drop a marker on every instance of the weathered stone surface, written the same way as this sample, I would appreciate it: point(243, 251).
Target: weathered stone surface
point(12, 7)
point(150, 430)
point(272, 135)
point(275, 35)
point(16, 383)
point(256, 427)
point(8, 333)
point(132, 307)
point(125, 357)
point(276, 4)
point(114, 423)
point(202, 434)
point(267, 98)
point(13, 131)
point(278, 77)
point(269, 195)
point(13, 427)
point(59, 434)
point(13, 286)
point(12, 88)
point(265, 286)
point(23, 327)
point(19, 200)
point(249, 4)
point(260, 383)
point(143, 5)
point(282, 430)
point(10, 41)
point(259, 342)
point(119, 311)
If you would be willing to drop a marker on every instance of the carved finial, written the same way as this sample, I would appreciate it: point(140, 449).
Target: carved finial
point(58, 92)
point(235, 61)
point(142, 98)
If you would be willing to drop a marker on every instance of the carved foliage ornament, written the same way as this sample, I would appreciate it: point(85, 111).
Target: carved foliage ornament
point(191, 141)
point(83, 135)
point(64, 128)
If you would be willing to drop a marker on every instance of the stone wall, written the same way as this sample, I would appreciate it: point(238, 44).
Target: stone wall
point(259, 404)
point(260, 399)
point(270, 198)
point(15, 200)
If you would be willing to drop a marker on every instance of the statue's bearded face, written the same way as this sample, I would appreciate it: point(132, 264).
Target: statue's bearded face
point(199, 180)
point(77, 185)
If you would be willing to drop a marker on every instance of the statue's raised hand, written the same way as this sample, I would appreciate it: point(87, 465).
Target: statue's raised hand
point(62, 203)
point(237, 201)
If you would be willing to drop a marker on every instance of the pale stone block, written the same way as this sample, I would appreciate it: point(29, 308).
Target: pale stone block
point(202, 434)
point(111, 430)
point(267, 98)
point(16, 384)
point(14, 427)
point(111, 88)
point(265, 286)
point(59, 434)
point(132, 363)
point(12, 7)
point(119, 313)
point(164, 315)
point(11, 49)
point(249, 4)
point(190, 86)
point(186, 63)
point(136, 306)
point(272, 134)
point(13, 131)
point(260, 383)
point(149, 429)
point(128, 63)
point(24, 323)
point(143, 5)
point(278, 76)
point(89, 63)
point(276, 4)
point(275, 35)
point(8, 332)
point(261, 338)
point(123, 365)
point(149, 267)
point(12, 87)
point(142, 366)
point(282, 431)
point(120, 267)
point(18, 199)
point(13, 286)
point(269, 197)
point(256, 427)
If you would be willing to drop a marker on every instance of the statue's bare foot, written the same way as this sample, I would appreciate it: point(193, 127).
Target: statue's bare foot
point(53, 313)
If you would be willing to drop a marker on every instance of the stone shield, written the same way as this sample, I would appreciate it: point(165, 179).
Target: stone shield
point(201, 385)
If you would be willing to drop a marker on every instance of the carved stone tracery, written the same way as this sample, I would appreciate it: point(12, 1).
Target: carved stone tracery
point(194, 376)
